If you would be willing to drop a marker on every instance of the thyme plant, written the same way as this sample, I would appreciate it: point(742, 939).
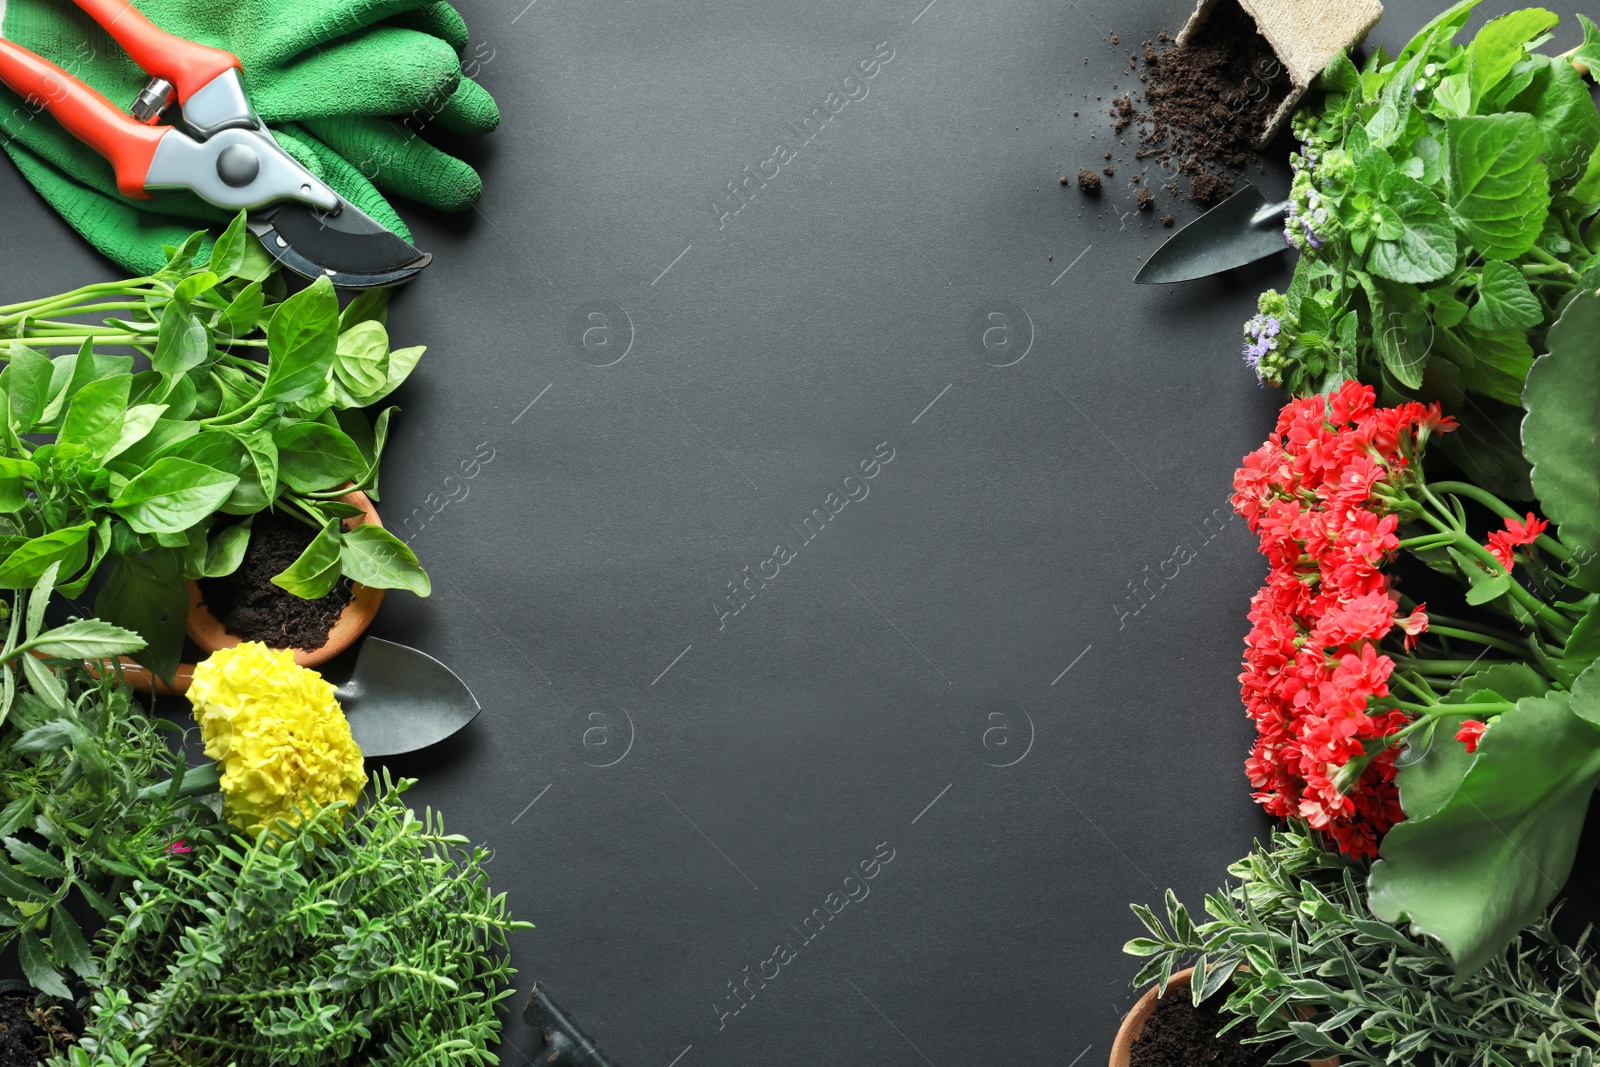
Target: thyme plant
point(1298, 951)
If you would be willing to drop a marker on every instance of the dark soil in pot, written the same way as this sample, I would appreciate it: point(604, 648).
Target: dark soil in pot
point(1178, 1034)
point(30, 1034)
point(253, 609)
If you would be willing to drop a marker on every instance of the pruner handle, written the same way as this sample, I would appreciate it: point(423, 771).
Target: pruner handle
point(127, 144)
point(188, 65)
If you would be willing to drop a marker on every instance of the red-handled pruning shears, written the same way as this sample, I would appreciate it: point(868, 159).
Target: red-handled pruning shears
point(225, 154)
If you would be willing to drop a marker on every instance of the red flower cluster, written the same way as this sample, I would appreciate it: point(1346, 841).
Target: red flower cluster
point(1311, 660)
point(1516, 533)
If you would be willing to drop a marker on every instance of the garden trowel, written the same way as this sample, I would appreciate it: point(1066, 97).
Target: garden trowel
point(399, 700)
point(1242, 229)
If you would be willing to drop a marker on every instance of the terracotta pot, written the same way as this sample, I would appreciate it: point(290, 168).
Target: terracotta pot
point(1132, 1027)
point(209, 634)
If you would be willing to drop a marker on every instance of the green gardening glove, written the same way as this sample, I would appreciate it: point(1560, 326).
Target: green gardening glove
point(342, 84)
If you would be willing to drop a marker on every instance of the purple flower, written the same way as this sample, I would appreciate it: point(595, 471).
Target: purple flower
point(1261, 337)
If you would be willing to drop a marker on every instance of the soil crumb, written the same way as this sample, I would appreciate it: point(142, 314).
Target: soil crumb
point(1089, 181)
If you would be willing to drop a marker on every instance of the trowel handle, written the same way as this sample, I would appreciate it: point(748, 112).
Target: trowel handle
point(565, 1043)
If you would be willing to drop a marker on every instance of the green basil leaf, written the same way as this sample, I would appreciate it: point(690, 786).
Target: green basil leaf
point(402, 361)
point(181, 343)
point(96, 414)
point(227, 254)
point(27, 563)
point(1505, 301)
point(243, 312)
point(264, 455)
point(14, 473)
point(316, 572)
point(68, 374)
point(301, 338)
point(313, 457)
point(362, 358)
point(146, 594)
point(172, 495)
point(26, 381)
point(225, 550)
point(164, 435)
point(138, 422)
point(373, 556)
point(224, 451)
point(1498, 184)
point(368, 305)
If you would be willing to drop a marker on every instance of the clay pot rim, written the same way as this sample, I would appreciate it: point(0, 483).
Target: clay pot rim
point(1133, 1022)
point(209, 634)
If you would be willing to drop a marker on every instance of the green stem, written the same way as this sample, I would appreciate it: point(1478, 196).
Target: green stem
point(1532, 604)
point(1472, 635)
point(1450, 667)
point(1545, 257)
point(1504, 510)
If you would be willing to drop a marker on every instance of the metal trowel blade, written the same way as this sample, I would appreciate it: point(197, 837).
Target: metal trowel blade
point(400, 700)
point(1242, 229)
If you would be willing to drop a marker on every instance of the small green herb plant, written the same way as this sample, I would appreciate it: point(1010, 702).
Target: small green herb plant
point(216, 399)
point(1444, 202)
point(81, 816)
point(1300, 954)
point(377, 941)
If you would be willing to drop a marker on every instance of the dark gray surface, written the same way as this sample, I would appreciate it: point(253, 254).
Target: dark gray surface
point(868, 694)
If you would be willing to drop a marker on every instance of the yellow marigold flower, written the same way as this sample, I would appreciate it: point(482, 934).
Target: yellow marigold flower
point(278, 732)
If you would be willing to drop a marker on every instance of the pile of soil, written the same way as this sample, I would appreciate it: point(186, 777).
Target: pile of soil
point(251, 607)
point(1178, 1034)
point(26, 1034)
point(1205, 103)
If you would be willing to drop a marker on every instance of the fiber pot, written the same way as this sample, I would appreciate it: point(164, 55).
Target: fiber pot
point(1132, 1027)
point(209, 634)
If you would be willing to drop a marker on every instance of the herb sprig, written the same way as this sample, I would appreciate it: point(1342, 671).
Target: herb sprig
point(219, 397)
point(1444, 202)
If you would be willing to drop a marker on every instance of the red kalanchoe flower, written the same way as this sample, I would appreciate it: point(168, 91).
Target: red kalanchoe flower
point(1516, 533)
point(1470, 733)
point(178, 845)
point(1314, 496)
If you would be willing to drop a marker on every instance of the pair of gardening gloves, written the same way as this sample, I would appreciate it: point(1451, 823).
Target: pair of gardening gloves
point(346, 86)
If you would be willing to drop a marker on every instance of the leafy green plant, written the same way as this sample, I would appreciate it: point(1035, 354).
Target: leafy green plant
point(1490, 836)
point(375, 942)
point(77, 765)
point(245, 403)
point(1301, 956)
point(1443, 202)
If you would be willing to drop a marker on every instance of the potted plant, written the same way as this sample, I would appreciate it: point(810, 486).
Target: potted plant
point(250, 404)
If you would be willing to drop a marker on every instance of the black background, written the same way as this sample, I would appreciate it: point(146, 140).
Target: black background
point(665, 798)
